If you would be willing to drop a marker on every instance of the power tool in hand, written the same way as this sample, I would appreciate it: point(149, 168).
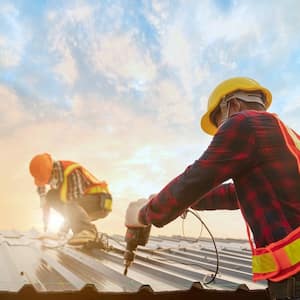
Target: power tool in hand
point(135, 236)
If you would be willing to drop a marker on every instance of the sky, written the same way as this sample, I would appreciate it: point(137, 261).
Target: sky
point(120, 86)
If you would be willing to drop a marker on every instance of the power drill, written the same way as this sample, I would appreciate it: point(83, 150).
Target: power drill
point(135, 236)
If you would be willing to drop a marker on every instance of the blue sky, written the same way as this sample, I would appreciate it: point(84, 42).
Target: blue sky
point(119, 86)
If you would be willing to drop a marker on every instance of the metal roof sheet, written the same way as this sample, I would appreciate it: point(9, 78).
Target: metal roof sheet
point(164, 264)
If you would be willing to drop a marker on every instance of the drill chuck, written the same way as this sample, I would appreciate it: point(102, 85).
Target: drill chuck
point(128, 259)
point(134, 237)
point(129, 256)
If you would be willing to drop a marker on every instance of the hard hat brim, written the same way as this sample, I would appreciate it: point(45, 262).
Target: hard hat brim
point(207, 125)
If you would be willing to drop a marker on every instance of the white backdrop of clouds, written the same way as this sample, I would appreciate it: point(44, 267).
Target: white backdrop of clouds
point(119, 86)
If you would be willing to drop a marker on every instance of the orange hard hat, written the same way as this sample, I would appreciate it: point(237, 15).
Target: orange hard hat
point(40, 168)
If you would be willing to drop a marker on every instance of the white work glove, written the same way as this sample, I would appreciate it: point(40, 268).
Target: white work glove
point(132, 213)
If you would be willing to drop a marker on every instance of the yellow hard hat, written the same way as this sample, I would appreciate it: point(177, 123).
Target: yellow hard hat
point(227, 87)
point(40, 168)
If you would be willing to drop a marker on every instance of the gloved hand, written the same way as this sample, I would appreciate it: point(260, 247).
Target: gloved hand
point(132, 213)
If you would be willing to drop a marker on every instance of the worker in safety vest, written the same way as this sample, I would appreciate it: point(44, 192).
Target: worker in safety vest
point(74, 192)
point(261, 155)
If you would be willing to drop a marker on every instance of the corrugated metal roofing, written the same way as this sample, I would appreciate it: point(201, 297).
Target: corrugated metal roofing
point(164, 264)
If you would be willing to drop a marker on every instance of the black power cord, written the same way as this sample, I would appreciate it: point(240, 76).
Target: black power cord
point(215, 246)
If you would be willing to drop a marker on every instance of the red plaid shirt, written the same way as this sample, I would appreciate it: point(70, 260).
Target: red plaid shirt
point(249, 149)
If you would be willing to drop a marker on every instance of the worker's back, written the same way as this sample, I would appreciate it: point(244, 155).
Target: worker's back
point(268, 185)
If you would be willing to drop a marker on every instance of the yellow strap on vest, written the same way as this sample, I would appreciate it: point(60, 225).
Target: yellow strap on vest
point(108, 204)
point(63, 189)
point(292, 250)
point(263, 263)
point(97, 189)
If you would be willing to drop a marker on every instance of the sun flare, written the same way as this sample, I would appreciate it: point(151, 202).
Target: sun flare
point(55, 221)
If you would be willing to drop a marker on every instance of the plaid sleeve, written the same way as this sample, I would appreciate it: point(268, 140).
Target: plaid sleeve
point(221, 197)
point(229, 154)
point(76, 185)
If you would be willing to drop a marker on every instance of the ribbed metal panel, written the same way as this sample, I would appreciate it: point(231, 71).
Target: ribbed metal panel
point(164, 264)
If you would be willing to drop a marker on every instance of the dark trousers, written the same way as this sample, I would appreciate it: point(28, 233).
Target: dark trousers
point(285, 289)
point(78, 213)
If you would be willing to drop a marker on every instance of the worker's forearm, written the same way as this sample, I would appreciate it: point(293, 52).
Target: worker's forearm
point(221, 197)
point(168, 204)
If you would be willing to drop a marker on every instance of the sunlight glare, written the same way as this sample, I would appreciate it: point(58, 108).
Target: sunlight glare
point(55, 221)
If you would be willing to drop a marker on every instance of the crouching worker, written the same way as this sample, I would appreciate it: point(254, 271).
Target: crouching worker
point(73, 192)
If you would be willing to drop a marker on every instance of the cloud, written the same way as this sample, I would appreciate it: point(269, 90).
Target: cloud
point(158, 14)
point(170, 104)
point(244, 30)
point(78, 12)
point(67, 68)
point(202, 45)
point(13, 36)
point(114, 55)
point(119, 87)
point(118, 57)
point(11, 111)
point(291, 110)
point(61, 22)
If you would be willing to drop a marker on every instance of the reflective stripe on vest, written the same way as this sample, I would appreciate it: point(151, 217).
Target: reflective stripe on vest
point(279, 260)
point(289, 133)
point(97, 187)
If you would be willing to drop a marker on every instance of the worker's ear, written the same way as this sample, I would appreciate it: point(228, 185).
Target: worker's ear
point(235, 106)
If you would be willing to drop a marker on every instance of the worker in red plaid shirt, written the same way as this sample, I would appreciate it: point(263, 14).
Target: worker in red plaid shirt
point(261, 155)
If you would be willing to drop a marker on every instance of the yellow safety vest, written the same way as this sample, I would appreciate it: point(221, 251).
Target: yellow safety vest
point(278, 260)
point(97, 186)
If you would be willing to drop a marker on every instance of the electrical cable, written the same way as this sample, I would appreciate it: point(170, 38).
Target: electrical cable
point(183, 217)
point(201, 230)
point(215, 246)
point(115, 240)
